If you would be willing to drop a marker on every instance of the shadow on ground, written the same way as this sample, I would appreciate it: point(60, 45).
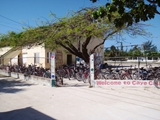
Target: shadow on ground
point(11, 85)
point(24, 114)
point(75, 85)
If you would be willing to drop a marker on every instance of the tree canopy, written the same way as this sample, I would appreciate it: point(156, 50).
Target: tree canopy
point(130, 11)
point(66, 32)
point(149, 46)
point(146, 49)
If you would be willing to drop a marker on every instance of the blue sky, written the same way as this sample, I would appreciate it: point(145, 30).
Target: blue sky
point(17, 13)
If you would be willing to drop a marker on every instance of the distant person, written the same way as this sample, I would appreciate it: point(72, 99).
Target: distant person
point(103, 66)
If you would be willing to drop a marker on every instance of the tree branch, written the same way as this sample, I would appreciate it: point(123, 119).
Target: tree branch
point(64, 46)
point(85, 50)
point(71, 49)
point(110, 34)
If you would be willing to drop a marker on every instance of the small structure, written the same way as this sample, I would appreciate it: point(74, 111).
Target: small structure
point(40, 56)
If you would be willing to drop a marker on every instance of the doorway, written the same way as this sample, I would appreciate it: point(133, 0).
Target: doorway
point(69, 59)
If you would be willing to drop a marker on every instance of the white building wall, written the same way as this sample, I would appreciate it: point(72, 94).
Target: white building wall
point(4, 50)
point(29, 54)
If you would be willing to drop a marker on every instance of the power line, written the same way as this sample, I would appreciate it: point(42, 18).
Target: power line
point(11, 20)
point(126, 46)
point(9, 26)
point(4, 22)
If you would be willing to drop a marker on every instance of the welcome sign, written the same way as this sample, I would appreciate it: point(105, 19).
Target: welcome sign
point(124, 83)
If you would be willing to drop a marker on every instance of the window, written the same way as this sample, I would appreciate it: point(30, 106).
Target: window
point(36, 57)
point(48, 57)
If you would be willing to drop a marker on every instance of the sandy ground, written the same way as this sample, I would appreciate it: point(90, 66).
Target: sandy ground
point(23, 100)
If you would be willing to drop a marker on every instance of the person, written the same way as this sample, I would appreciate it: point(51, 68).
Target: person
point(103, 66)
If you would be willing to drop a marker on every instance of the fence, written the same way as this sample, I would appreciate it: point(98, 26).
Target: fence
point(32, 78)
point(134, 61)
point(45, 62)
point(38, 61)
point(116, 61)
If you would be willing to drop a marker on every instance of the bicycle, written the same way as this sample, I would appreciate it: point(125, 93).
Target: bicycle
point(143, 74)
point(157, 82)
point(59, 79)
point(82, 73)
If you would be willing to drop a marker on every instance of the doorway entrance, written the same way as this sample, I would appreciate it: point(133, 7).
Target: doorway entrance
point(69, 59)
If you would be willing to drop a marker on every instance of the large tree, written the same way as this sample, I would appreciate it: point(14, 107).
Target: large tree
point(149, 46)
point(130, 11)
point(80, 28)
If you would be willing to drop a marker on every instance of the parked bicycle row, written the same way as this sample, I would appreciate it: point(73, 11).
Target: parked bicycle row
point(130, 72)
point(81, 72)
point(33, 70)
point(105, 71)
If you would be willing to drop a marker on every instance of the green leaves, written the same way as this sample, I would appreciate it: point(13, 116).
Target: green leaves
point(99, 13)
point(130, 11)
point(95, 15)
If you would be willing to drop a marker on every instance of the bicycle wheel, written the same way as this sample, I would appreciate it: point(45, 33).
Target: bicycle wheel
point(151, 77)
point(72, 73)
point(115, 76)
point(79, 76)
point(85, 78)
point(136, 76)
point(157, 83)
point(108, 76)
point(59, 81)
point(123, 77)
point(99, 75)
point(158, 75)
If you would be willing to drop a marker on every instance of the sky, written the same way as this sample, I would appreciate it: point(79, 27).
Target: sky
point(16, 14)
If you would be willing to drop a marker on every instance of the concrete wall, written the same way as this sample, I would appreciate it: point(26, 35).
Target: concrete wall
point(33, 79)
point(61, 54)
point(4, 50)
point(9, 57)
point(29, 52)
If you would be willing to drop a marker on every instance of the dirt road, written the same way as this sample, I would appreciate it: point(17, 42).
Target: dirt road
point(21, 100)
